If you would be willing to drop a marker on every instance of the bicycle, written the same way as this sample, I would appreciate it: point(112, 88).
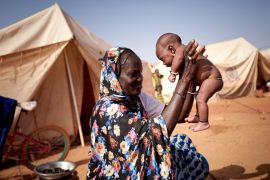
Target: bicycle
point(45, 144)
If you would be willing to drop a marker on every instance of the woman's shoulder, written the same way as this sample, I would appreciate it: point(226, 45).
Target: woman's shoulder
point(152, 106)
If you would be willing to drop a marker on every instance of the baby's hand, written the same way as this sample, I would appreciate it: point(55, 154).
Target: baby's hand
point(172, 76)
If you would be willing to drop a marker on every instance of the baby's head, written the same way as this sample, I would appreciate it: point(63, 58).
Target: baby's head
point(166, 46)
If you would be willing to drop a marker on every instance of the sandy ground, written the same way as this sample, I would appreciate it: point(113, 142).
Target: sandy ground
point(237, 145)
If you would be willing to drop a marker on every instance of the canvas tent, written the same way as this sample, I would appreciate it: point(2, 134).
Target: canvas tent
point(266, 53)
point(264, 64)
point(239, 63)
point(51, 58)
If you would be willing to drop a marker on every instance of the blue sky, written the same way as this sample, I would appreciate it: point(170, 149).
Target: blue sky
point(138, 24)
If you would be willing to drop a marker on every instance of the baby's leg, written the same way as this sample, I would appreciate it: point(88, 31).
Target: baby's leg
point(208, 88)
point(192, 119)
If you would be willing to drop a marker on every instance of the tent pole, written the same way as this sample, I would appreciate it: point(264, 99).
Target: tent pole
point(74, 99)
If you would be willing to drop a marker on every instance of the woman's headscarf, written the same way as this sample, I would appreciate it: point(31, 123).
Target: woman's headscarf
point(109, 84)
point(124, 142)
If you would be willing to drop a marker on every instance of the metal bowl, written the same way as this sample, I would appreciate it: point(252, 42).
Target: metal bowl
point(55, 170)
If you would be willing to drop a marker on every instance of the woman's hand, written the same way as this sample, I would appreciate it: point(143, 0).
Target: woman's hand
point(191, 55)
point(190, 50)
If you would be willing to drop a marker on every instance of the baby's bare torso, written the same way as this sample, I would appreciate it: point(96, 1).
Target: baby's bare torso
point(204, 69)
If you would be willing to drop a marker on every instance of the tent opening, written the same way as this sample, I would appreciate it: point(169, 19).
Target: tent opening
point(88, 101)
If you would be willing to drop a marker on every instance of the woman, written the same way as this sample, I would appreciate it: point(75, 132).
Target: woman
point(125, 143)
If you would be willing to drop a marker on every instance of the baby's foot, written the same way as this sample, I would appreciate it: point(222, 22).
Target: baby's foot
point(192, 119)
point(200, 126)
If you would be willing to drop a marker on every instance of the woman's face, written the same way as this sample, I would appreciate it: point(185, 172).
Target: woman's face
point(131, 75)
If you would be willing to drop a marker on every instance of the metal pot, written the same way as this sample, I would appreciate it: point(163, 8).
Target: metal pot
point(55, 170)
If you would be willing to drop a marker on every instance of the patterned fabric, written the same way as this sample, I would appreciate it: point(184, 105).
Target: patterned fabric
point(125, 143)
point(187, 162)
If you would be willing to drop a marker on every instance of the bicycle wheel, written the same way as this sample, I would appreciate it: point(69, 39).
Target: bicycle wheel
point(46, 144)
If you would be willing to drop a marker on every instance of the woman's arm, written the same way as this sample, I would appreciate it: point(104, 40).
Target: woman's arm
point(188, 103)
point(173, 110)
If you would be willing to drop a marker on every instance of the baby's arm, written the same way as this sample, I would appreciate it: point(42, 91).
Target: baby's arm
point(177, 62)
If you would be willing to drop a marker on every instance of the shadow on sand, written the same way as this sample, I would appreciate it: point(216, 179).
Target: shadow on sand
point(238, 172)
point(226, 173)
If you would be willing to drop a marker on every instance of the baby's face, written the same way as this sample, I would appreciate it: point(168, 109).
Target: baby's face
point(165, 55)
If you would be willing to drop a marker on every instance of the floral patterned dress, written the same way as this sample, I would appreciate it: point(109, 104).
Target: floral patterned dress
point(125, 144)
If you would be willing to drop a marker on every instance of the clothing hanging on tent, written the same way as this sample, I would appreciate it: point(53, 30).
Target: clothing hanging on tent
point(7, 111)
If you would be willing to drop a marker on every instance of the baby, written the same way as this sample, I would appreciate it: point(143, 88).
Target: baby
point(170, 50)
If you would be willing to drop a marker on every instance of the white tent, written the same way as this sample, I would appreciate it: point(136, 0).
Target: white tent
point(51, 58)
point(264, 64)
point(238, 61)
point(266, 53)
